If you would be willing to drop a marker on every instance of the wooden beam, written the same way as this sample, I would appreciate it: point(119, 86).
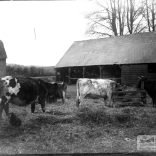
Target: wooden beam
point(69, 75)
point(100, 71)
point(83, 74)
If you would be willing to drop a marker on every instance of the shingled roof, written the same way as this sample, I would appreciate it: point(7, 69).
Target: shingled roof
point(2, 51)
point(128, 49)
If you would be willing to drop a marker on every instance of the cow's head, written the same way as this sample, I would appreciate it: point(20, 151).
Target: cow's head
point(9, 81)
point(3, 87)
point(10, 86)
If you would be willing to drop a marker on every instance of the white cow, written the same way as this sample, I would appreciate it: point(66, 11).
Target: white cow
point(102, 88)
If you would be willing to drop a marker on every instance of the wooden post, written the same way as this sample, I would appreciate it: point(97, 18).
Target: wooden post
point(143, 97)
point(58, 76)
point(100, 70)
point(83, 72)
point(69, 74)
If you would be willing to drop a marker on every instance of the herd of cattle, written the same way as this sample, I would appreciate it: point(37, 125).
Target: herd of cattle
point(23, 91)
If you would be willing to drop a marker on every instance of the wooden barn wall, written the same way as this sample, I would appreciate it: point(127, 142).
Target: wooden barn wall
point(62, 74)
point(111, 71)
point(2, 67)
point(130, 73)
point(151, 74)
point(127, 73)
point(92, 72)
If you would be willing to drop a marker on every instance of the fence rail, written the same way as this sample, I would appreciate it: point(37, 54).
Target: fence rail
point(131, 98)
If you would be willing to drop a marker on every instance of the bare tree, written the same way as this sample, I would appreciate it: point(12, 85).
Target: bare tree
point(116, 18)
point(150, 14)
point(109, 21)
point(134, 17)
point(121, 16)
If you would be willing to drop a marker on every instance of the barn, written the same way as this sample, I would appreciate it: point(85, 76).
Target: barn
point(3, 57)
point(122, 58)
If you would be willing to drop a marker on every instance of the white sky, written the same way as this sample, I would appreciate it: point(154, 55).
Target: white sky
point(57, 24)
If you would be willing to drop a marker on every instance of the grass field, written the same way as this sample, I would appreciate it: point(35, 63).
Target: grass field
point(93, 128)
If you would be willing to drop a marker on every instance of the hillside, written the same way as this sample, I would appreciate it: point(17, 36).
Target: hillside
point(21, 70)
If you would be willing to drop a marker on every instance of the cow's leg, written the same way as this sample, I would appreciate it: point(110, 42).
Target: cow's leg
point(77, 102)
point(33, 107)
point(80, 99)
point(4, 105)
point(42, 101)
point(105, 100)
point(78, 94)
point(6, 108)
point(43, 106)
point(110, 98)
point(63, 97)
point(154, 101)
point(108, 101)
point(1, 107)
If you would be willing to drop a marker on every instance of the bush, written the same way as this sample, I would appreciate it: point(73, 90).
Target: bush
point(20, 70)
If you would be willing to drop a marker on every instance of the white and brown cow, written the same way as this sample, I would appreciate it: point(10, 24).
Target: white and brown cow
point(102, 88)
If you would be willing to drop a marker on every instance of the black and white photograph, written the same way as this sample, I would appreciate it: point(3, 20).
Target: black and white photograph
point(77, 77)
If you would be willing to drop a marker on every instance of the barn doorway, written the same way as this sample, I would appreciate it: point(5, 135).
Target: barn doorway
point(111, 72)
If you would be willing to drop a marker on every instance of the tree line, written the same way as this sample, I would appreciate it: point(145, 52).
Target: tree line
point(30, 71)
point(122, 17)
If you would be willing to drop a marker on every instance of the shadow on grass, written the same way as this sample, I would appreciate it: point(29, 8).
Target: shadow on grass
point(32, 126)
point(55, 112)
point(42, 120)
point(9, 132)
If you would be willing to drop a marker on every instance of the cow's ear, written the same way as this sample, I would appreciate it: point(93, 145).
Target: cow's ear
point(12, 82)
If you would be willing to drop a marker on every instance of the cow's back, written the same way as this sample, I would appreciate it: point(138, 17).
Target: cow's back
point(29, 90)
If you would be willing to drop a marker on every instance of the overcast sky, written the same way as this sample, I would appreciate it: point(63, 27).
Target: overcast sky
point(40, 32)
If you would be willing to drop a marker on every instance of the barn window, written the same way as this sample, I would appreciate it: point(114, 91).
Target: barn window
point(152, 68)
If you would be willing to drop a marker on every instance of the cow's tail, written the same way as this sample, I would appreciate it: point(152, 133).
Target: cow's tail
point(77, 93)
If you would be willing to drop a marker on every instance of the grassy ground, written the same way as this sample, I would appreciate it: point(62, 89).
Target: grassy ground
point(93, 128)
